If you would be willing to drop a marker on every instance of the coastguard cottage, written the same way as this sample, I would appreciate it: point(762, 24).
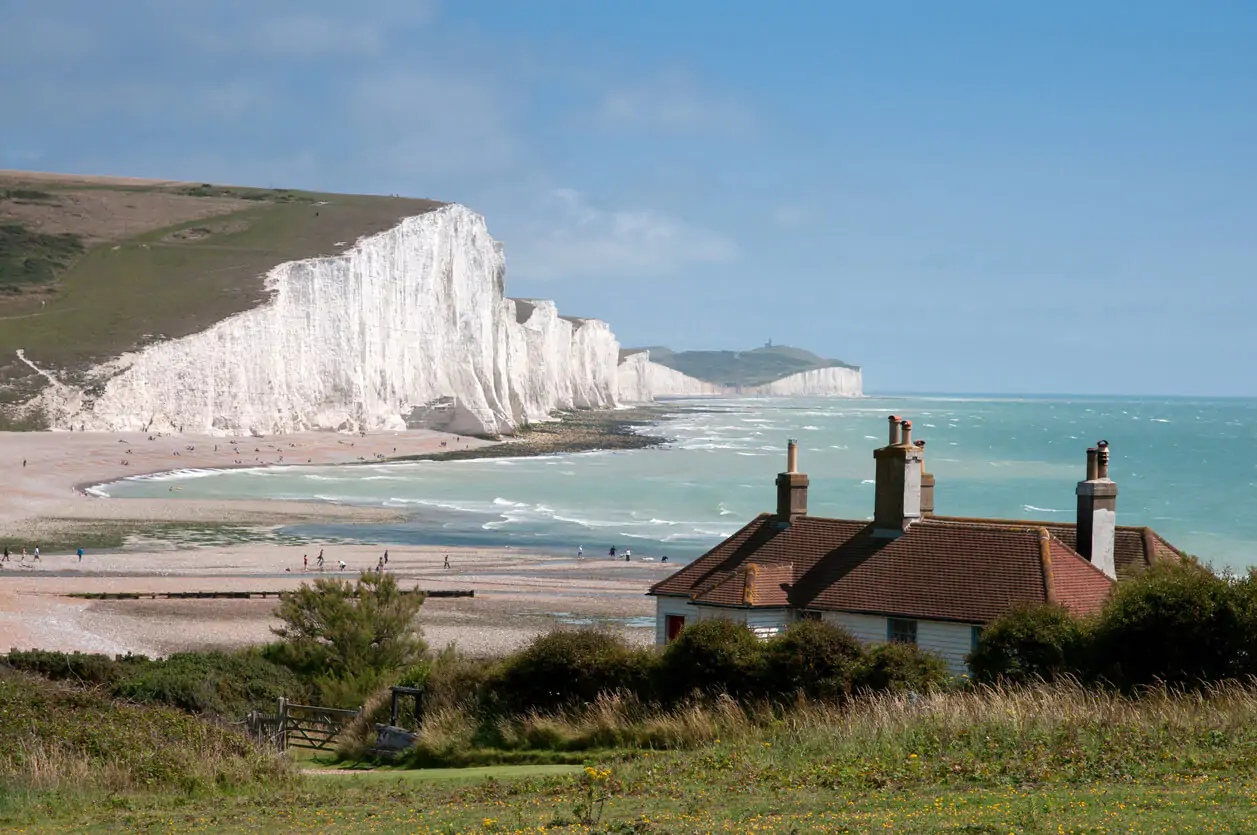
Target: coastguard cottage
point(909, 575)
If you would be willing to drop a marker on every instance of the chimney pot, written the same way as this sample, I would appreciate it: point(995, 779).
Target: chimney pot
point(1097, 512)
point(791, 488)
point(898, 491)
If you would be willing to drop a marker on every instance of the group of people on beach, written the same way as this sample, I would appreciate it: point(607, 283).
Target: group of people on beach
point(611, 552)
point(6, 556)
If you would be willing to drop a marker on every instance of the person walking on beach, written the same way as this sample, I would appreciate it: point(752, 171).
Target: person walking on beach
point(80, 555)
point(386, 557)
point(342, 565)
point(447, 560)
point(305, 562)
point(580, 550)
point(320, 561)
point(23, 559)
point(611, 553)
point(6, 554)
point(36, 554)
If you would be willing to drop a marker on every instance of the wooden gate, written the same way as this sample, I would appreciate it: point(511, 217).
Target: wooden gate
point(306, 726)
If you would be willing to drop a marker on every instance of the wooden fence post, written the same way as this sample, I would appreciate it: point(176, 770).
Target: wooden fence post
point(283, 724)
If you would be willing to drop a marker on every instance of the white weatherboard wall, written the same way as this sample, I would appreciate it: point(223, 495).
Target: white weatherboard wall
point(665, 606)
point(952, 641)
point(402, 319)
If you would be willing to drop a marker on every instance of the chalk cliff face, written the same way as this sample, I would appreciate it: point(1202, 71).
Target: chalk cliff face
point(407, 327)
point(641, 381)
point(819, 382)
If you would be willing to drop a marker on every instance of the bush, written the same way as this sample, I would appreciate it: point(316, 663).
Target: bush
point(814, 658)
point(1029, 642)
point(900, 666)
point(348, 637)
point(1177, 623)
point(81, 667)
point(456, 682)
point(713, 656)
point(570, 667)
point(221, 684)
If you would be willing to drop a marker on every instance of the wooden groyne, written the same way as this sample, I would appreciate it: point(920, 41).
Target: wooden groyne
point(226, 595)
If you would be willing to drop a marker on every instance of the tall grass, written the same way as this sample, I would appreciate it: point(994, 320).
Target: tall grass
point(1044, 731)
point(54, 737)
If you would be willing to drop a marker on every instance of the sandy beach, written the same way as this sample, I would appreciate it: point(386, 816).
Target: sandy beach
point(517, 595)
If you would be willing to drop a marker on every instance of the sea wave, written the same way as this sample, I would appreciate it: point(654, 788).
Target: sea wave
point(1034, 509)
point(180, 475)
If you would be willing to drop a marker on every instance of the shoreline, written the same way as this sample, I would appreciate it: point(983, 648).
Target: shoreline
point(167, 544)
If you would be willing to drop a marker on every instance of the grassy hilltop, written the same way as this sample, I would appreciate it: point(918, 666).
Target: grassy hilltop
point(92, 267)
point(741, 368)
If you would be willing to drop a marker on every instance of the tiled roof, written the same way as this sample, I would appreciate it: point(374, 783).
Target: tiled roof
point(1134, 548)
point(945, 569)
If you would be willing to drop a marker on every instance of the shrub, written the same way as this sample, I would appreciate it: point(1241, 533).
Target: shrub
point(1029, 642)
point(712, 656)
point(570, 667)
point(456, 682)
point(1176, 623)
point(900, 666)
point(346, 631)
point(221, 684)
point(81, 667)
point(814, 658)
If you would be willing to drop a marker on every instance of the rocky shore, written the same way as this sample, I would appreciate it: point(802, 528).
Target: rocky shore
point(581, 431)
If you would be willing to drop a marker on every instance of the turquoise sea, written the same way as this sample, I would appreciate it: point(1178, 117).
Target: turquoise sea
point(1186, 467)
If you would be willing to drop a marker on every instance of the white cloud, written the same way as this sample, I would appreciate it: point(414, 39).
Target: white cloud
point(671, 103)
point(568, 237)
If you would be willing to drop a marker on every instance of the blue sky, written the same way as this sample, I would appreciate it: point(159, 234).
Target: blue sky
point(960, 196)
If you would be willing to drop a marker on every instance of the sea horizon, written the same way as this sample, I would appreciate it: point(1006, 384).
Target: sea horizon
point(1175, 460)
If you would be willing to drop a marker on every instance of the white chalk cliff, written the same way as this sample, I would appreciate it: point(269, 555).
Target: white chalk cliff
point(409, 326)
point(834, 381)
point(641, 381)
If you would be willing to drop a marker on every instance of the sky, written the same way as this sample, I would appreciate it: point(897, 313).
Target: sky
point(960, 197)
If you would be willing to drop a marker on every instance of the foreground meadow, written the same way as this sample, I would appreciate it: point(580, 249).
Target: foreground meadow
point(1044, 759)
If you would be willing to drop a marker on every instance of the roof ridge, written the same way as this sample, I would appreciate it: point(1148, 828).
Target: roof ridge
point(1088, 563)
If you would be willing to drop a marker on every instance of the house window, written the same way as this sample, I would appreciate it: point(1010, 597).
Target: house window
point(901, 631)
point(809, 614)
point(975, 633)
point(673, 624)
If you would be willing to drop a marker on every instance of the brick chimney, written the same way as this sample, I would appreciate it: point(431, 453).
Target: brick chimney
point(897, 503)
point(927, 484)
point(1097, 511)
point(791, 488)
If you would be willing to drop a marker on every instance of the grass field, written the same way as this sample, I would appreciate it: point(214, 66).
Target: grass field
point(1044, 759)
point(182, 271)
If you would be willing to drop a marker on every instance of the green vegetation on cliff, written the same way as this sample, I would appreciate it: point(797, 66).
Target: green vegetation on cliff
point(93, 267)
point(742, 368)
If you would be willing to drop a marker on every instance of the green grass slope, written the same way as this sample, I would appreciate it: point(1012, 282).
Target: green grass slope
point(56, 737)
point(743, 368)
point(91, 268)
point(1039, 760)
